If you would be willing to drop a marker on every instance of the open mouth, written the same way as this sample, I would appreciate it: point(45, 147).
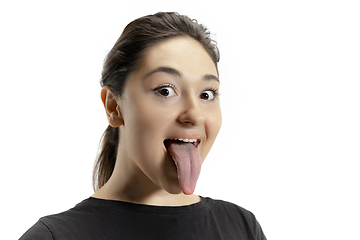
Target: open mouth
point(194, 142)
point(185, 154)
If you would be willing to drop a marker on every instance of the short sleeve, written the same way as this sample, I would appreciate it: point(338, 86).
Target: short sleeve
point(39, 231)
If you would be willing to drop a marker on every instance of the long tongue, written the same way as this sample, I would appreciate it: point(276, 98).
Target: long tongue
point(188, 162)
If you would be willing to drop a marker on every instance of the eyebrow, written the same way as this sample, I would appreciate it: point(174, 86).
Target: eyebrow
point(210, 77)
point(167, 70)
point(174, 72)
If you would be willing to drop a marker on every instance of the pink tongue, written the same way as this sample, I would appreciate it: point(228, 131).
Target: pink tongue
point(188, 162)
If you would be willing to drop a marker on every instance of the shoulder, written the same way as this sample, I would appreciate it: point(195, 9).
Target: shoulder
point(240, 218)
point(76, 217)
point(38, 231)
point(230, 209)
point(68, 222)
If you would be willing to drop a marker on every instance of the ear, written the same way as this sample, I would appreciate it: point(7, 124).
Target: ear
point(111, 106)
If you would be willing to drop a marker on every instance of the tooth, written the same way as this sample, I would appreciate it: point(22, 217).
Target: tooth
point(184, 140)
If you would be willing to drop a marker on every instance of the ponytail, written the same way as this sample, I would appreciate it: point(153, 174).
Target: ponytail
point(105, 162)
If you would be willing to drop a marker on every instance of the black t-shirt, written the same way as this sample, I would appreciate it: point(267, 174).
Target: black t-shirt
point(108, 219)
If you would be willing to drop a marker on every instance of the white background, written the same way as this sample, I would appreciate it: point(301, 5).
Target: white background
point(289, 146)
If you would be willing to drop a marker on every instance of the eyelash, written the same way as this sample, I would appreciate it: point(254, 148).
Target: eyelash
point(215, 91)
point(164, 86)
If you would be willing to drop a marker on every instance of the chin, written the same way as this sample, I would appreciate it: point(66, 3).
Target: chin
point(175, 192)
point(172, 187)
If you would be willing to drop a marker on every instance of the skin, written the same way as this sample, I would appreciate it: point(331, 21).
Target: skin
point(169, 96)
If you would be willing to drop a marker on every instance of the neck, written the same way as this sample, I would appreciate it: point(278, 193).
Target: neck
point(129, 184)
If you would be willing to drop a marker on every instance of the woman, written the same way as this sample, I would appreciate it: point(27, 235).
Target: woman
point(160, 94)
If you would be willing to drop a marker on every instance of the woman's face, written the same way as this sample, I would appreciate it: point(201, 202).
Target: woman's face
point(172, 95)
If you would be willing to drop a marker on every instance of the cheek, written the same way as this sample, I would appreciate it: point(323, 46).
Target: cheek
point(215, 120)
point(146, 127)
point(213, 125)
point(149, 120)
point(146, 130)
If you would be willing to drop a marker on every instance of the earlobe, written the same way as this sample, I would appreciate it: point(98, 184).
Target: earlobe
point(111, 106)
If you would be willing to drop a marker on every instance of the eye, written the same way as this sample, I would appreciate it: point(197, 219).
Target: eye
point(165, 91)
point(209, 94)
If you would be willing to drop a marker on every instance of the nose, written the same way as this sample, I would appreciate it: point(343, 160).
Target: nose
point(192, 113)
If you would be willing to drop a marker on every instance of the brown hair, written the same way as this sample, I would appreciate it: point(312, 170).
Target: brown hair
point(125, 57)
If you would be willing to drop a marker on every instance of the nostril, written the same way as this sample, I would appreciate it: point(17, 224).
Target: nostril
point(191, 117)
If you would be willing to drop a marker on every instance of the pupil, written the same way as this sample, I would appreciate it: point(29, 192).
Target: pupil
point(204, 96)
point(164, 92)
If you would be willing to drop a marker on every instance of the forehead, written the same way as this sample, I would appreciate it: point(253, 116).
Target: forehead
point(182, 53)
